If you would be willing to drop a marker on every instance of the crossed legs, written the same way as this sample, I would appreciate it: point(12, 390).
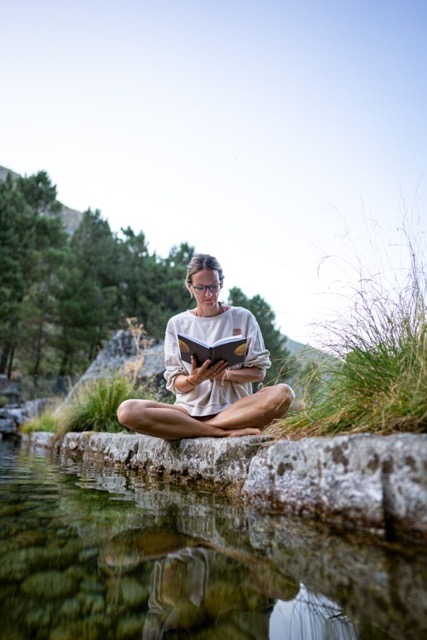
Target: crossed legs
point(245, 417)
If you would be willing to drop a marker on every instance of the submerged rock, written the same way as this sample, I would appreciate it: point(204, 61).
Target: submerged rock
point(49, 585)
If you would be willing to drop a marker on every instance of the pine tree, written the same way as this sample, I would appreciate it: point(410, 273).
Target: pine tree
point(283, 363)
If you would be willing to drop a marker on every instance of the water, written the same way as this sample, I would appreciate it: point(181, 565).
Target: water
point(88, 554)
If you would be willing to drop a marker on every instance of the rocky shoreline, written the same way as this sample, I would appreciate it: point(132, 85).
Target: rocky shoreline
point(366, 483)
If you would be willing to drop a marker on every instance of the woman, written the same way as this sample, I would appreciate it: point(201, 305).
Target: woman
point(212, 400)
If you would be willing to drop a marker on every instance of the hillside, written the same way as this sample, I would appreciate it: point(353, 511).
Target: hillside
point(305, 353)
point(71, 217)
point(4, 172)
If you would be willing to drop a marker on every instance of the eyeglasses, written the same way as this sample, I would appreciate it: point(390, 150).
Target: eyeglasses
point(202, 288)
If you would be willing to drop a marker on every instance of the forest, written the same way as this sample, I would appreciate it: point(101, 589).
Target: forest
point(64, 295)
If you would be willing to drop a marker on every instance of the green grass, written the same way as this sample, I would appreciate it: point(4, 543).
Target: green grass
point(377, 381)
point(46, 421)
point(93, 407)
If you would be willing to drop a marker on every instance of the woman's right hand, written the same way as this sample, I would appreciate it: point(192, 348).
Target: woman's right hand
point(207, 371)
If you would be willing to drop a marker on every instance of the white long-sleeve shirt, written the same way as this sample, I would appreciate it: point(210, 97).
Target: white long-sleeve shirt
point(212, 396)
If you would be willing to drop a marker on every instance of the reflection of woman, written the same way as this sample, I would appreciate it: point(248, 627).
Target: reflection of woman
point(198, 585)
point(198, 591)
point(212, 399)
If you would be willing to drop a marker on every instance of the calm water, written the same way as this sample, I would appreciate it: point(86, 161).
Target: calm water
point(86, 554)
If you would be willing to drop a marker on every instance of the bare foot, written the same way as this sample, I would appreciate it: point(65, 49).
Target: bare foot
point(243, 432)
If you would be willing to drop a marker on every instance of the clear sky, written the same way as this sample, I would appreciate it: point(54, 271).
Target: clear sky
point(286, 137)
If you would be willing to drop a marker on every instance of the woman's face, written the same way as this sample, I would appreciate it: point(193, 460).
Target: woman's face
point(206, 287)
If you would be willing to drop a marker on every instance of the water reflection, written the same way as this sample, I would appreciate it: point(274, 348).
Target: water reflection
point(197, 585)
point(86, 553)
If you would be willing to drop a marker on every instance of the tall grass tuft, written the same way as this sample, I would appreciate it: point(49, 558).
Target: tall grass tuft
point(377, 380)
point(95, 403)
point(92, 406)
point(46, 421)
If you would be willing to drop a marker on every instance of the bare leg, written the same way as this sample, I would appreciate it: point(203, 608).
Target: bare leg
point(257, 410)
point(169, 422)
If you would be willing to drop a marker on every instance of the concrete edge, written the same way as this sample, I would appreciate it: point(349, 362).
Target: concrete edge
point(376, 484)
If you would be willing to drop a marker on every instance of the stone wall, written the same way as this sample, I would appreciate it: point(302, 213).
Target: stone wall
point(366, 483)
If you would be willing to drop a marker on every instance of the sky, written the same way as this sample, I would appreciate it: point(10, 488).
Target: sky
point(286, 137)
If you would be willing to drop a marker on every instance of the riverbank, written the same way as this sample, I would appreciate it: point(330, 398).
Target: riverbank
point(93, 555)
point(375, 484)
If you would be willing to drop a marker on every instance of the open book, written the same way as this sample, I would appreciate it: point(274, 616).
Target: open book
point(232, 349)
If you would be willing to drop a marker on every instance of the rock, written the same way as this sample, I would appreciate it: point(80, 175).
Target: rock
point(16, 414)
point(205, 461)
point(279, 475)
point(364, 482)
point(38, 440)
point(404, 476)
point(132, 593)
point(34, 408)
point(10, 391)
point(119, 351)
point(116, 355)
point(351, 483)
point(89, 629)
point(7, 426)
point(130, 626)
point(371, 482)
point(49, 585)
point(12, 413)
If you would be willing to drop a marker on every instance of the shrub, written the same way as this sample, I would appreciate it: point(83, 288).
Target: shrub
point(94, 405)
point(46, 421)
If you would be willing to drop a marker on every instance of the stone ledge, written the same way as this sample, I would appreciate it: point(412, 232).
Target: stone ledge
point(364, 482)
point(369, 482)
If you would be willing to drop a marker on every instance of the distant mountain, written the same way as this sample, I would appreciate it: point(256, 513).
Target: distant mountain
point(70, 217)
point(304, 352)
point(295, 347)
point(4, 172)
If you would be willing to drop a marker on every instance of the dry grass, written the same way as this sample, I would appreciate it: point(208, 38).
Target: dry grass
point(93, 407)
point(377, 382)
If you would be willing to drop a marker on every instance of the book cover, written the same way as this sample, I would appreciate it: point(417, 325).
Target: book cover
point(232, 349)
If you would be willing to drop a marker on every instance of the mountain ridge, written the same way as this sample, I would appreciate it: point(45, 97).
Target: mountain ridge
point(70, 217)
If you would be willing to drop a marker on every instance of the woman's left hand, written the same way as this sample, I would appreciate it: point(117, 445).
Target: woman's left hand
point(224, 376)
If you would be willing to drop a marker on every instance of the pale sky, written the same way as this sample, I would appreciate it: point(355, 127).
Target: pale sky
point(286, 137)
